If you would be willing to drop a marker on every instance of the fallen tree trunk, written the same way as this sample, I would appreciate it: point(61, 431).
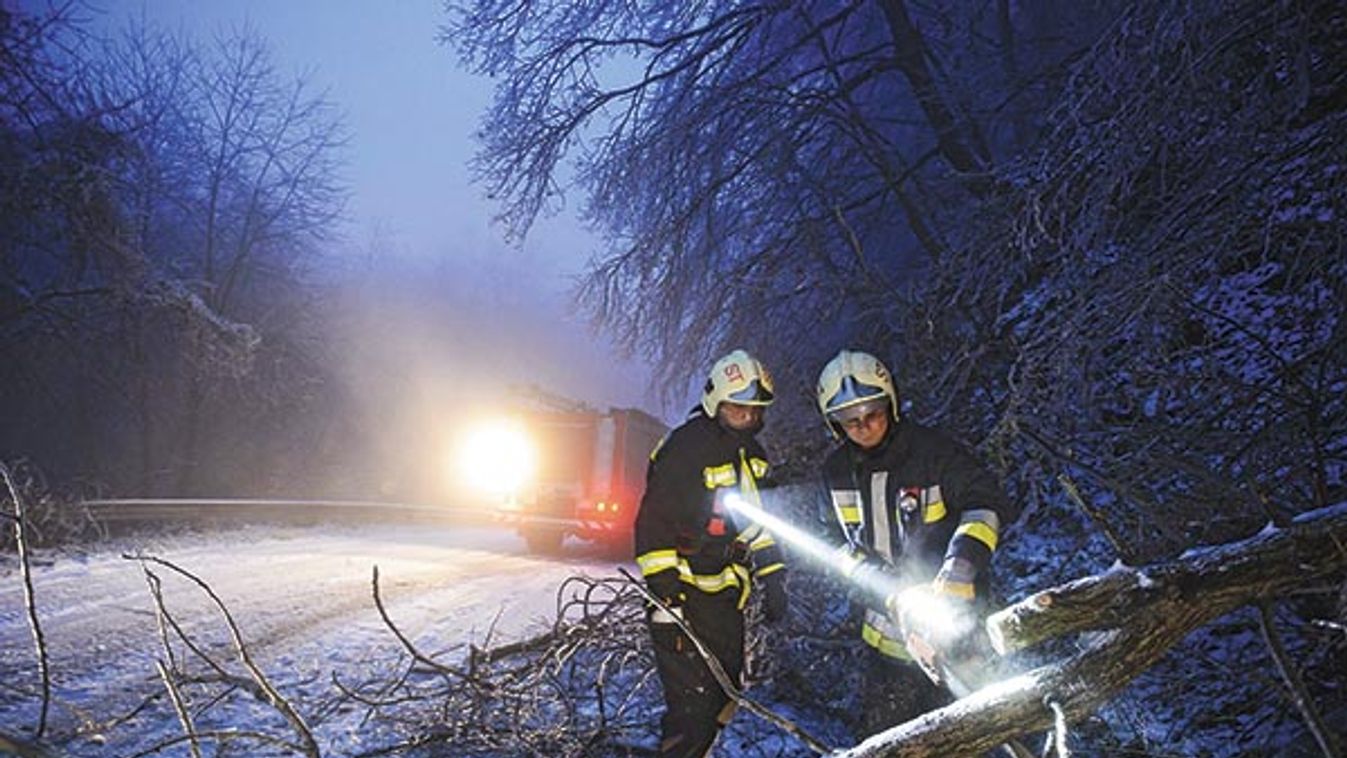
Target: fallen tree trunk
point(1137, 615)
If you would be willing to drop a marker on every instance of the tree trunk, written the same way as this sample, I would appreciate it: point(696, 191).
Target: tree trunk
point(1138, 615)
point(960, 141)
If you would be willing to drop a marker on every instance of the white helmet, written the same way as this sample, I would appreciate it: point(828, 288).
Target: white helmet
point(737, 378)
point(850, 380)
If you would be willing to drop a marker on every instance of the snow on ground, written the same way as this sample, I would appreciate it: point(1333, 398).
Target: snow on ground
point(302, 598)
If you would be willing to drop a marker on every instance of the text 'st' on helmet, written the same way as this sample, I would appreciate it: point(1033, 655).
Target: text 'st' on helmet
point(737, 378)
point(850, 380)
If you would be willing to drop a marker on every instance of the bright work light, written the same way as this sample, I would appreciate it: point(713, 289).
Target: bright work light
point(928, 618)
point(831, 557)
point(497, 459)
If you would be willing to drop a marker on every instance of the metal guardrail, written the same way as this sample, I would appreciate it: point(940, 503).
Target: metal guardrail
point(215, 510)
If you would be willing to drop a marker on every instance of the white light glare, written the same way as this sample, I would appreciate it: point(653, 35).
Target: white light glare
point(934, 617)
point(497, 459)
point(832, 557)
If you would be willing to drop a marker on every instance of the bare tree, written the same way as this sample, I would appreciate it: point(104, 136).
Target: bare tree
point(165, 198)
point(753, 167)
point(266, 153)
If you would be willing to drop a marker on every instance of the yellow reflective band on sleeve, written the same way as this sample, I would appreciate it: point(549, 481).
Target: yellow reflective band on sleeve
point(763, 540)
point(719, 476)
point(962, 590)
point(847, 506)
point(886, 645)
point(768, 570)
point(750, 533)
point(978, 531)
point(933, 512)
point(758, 466)
point(656, 561)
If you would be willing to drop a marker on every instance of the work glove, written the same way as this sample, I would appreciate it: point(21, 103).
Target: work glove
point(935, 628)
point(775, 601)
point(669, 589)
point(955, 580)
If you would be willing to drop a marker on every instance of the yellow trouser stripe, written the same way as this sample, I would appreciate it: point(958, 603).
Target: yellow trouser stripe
point(978, 531)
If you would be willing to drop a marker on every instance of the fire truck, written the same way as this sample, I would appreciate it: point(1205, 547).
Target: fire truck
point(569, 470)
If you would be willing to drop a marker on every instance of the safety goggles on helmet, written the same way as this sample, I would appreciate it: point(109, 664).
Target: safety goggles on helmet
point(754, 394)
point(853, 379)
point(850, 394)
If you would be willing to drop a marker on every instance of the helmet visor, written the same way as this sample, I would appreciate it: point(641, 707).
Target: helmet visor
point(755, 393)
point(859, 410)
point(851, 392)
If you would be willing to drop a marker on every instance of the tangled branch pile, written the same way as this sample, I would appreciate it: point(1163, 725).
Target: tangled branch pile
point(583, 688)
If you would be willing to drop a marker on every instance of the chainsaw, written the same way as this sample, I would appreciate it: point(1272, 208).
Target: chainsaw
point(959, 663)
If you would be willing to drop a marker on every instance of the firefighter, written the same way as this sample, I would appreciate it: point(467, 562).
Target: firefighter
point(699, 558)
point(918, 506)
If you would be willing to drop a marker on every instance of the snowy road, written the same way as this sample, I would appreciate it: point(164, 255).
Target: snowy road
point(301, 597)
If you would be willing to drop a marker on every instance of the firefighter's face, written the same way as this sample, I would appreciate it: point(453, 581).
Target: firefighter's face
point(868, 429)
point(740, 418)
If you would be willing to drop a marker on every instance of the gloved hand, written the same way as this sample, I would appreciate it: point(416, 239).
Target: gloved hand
point(955, 580)
point(665, 630)
point(669, 589)
point(661, 617)
point(775, 601)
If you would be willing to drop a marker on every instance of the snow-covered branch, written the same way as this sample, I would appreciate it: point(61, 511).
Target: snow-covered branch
point(1135, 615)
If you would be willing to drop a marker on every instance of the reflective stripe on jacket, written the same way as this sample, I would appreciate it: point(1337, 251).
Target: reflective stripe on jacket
point(684, 524)
point(915, 500)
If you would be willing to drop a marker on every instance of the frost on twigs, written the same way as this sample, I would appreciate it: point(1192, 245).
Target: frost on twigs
point(586, 687)
point(582, 688)
point(176, 678)
point(50, 518)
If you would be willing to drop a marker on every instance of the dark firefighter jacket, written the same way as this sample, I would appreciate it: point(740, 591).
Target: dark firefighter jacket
point(913, 501)
point(686, 537)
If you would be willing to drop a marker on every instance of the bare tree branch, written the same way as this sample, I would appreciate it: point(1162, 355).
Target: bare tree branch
point(273, 697)
point(30, 600)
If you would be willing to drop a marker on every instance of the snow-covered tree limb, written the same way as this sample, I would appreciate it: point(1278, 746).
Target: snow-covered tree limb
point(1136, 614)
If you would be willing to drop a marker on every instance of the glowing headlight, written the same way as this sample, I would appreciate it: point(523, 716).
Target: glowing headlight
point(496, 459)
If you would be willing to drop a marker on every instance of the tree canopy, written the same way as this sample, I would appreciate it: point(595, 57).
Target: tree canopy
point(1101, 240)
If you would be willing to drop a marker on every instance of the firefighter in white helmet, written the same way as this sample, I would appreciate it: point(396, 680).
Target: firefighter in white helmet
point(914, 503)
point(701, 559)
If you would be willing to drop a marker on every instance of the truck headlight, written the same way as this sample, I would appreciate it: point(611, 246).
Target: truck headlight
point(497, 459)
